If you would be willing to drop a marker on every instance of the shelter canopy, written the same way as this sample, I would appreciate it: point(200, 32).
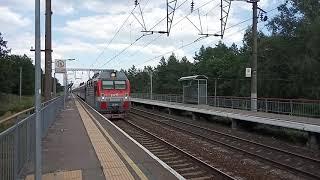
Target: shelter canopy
point(195, 77)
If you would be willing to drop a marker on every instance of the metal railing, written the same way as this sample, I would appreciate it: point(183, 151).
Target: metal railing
point(294, 107)
point(159, 97)
point(17, 143)
point(22, 114)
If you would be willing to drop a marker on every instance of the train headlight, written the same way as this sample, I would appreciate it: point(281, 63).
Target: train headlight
point(113, 74)
point(126, 97)
point(102, 97)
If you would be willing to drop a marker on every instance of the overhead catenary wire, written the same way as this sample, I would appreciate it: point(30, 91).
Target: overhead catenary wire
point(176, 24)
point(159, 21)
point(115, 56)
point(149, 43)
point(186, 45)
point(181, 47)
point(123, 50)
point(114, 36)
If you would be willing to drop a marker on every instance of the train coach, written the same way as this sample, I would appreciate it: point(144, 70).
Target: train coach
point(108, 92)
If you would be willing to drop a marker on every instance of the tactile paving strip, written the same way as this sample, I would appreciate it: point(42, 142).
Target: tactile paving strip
point(113, 167)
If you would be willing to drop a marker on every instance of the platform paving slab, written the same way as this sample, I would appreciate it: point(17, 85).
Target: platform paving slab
point(67, 148)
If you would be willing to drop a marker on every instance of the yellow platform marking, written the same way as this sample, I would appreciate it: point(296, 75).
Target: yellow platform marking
point(113, 167)
point(120, 150)
point(63, 175)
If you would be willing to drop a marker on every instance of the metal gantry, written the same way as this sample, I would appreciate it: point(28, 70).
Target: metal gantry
point(225, 9)
point(171, 8)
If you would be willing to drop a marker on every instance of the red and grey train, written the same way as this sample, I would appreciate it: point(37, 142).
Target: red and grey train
point(108, 92)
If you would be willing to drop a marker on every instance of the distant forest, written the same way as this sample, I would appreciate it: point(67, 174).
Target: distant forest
point(10, 70)
point(288, 60)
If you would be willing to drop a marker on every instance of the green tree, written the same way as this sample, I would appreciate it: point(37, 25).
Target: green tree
point(3, 47)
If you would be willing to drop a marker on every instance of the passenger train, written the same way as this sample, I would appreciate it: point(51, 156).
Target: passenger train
point(108, 92)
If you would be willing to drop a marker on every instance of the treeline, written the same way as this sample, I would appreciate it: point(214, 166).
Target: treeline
point(288, 60)
point(10, 72)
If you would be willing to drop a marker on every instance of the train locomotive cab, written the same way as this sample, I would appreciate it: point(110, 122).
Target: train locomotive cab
point(113, 94)
point(108, 92)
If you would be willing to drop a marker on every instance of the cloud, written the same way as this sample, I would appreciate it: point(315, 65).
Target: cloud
point(62, 7)
point(82, 28)
point(11, 20)
point(106, 7)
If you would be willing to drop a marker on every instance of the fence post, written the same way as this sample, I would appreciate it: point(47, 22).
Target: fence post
point(15, 150)
point(231, 102)
point(266, 101)
point(291, 108)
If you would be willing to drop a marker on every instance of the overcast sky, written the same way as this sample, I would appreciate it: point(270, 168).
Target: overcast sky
point(82, 29)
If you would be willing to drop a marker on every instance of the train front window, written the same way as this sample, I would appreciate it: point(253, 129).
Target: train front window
point(120, 84)
point(107, 84)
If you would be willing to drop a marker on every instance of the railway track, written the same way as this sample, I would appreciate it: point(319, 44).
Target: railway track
point(186, 164)
point(296, 163)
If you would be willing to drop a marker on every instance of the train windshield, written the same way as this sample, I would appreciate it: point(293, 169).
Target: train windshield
point(107, 84)
point(113, 84)
point(120, 84)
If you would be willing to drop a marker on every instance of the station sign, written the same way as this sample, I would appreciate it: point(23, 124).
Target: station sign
point(60, 66)
point(248, 72)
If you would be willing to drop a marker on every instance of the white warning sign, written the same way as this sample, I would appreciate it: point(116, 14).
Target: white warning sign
point(60, 66)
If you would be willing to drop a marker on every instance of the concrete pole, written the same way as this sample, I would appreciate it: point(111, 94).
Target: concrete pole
point(215, 92)
point(151, 88)
point(37, 160)
point(54, 85)
point(65, 89)
point(20, 84)
point(254, 58)
point(48, 55)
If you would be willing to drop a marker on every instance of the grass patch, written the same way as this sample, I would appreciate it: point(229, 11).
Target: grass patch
point(11, 104)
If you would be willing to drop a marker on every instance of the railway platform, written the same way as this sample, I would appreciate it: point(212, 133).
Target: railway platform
point(310, 125)
point(82, 144)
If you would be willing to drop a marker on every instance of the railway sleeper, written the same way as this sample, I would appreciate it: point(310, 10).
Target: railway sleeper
point(176, 161)
point(162, 155)
point(192, 168)
point(170, 158)
point(193, 174)
point(181, 163)
point(203, 178)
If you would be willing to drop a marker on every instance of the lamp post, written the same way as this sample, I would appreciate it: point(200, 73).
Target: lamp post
point(151, 93)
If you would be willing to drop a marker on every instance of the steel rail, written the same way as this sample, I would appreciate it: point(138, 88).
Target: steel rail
point(231, 136)
point(232, 147)
point(182, 151)
point(226, 176)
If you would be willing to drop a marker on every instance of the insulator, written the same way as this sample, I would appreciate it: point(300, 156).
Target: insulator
point(136, 2)
point(261, 16)
point(192, 6)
